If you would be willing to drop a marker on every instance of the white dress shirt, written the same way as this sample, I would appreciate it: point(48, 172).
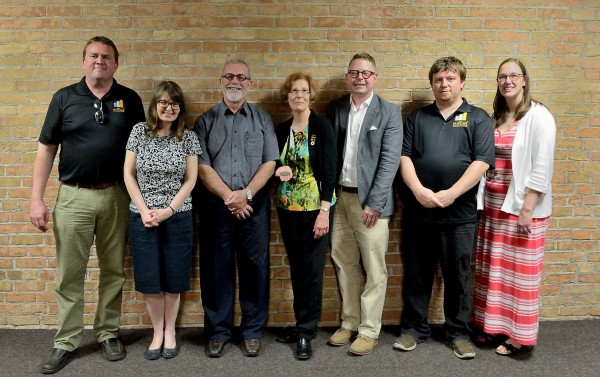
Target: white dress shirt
point(348, 176)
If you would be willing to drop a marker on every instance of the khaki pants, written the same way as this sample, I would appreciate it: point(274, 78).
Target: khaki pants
point(81, 214)
point(351, 243)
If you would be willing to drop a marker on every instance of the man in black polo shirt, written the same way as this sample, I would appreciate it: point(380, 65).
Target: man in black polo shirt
point(447, 147)
point(91, 121)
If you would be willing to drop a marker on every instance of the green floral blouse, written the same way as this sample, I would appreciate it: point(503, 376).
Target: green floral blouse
point(301, 193)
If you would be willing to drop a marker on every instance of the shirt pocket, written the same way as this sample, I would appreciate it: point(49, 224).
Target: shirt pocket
point(253, 144)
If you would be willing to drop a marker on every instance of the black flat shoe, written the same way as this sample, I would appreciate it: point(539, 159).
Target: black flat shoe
point(152, 354)
point(58, 359)
point(303, 349)
point(169, 353)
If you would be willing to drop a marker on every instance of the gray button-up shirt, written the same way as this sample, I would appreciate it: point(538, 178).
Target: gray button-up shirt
point(235, 145)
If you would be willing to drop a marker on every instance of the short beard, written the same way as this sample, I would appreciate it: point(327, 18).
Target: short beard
point(234, 97)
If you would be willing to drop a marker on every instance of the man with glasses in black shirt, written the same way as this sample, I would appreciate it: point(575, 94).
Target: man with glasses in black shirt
point(91, 122)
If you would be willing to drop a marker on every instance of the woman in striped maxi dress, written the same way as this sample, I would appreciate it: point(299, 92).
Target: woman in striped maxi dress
point(517, 202)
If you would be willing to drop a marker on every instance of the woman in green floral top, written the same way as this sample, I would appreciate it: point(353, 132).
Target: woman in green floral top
point(305, 196)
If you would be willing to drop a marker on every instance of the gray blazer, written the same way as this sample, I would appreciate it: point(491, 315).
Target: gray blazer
point(379, 149)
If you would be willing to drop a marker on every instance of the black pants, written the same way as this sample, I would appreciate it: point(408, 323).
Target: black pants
point(423, 245)
point(224, 243)
point(307, 261)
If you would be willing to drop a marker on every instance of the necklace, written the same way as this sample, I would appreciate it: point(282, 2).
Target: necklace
point(507, 124)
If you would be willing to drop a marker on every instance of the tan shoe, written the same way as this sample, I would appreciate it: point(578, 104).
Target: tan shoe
point(463, 349)
point(405, 342)
point(341, 336)
point(363, 345)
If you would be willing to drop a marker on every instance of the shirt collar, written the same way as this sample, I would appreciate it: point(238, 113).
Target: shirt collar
point(365, 104)
point(244, 110)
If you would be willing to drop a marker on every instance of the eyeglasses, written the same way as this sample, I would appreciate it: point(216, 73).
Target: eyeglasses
point(240, 76)
point(295, 92)
point(99, 115)
point(513, 77)
point(365, 74)
point(164, 104)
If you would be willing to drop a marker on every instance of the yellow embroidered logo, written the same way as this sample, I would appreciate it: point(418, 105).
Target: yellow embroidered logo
point(460, 121)
point(118, 106)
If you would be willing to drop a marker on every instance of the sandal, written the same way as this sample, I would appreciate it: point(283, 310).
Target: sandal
point(511, 350)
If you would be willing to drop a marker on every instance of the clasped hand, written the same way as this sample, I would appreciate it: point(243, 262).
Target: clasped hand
point(429, 199)
point(152, 218)
point(237, 203)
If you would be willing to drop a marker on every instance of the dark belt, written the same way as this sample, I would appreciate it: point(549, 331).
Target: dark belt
point(353, 190)
point(92, 186)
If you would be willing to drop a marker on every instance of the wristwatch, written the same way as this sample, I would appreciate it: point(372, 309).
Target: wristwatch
point(325, 209)
point(248, 193)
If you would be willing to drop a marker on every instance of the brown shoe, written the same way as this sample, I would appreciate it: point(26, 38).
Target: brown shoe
point(252, 347)
point(215, 348)
point(341, 336)
point(363, 345)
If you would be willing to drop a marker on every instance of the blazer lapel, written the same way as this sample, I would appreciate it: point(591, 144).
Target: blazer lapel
point(369, 121)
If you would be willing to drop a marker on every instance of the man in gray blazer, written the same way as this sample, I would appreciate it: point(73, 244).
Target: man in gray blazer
point(369, 136)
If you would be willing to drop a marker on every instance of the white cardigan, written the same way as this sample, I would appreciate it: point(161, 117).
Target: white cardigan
point(532, 163)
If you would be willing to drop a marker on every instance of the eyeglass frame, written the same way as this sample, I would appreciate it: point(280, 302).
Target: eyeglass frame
point(299, 91)
point(240, 76)
point(98, 115)
point(354, 73)
point(174, 105)
point(513, 77)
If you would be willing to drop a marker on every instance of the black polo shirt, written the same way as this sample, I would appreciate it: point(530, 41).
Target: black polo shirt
point(441, 151)
point(91, 152)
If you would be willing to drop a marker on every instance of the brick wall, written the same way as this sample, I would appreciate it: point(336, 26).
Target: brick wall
point(40, 52)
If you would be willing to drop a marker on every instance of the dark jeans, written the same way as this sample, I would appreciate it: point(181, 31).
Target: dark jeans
point(224, 242)
point(307, 262)
point(423, 245)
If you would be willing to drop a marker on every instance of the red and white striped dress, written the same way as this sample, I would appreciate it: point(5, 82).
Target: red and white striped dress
point(508, 265)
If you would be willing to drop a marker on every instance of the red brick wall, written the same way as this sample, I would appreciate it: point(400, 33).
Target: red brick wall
point(40, 52)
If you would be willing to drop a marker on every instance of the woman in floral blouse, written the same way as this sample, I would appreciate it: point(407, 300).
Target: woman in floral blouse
point(305, 197)
point(161, 166)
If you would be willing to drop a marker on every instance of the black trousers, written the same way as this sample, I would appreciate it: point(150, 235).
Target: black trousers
point(306, 257)
point(423, 245)
point(224, 243)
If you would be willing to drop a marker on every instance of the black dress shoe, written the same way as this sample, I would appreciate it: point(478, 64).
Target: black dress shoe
point(215, 348)
point(288, 337)
point(303, 349)
point(252, 347)
point(57, 360)
point(113, 350)
point(152, 354)
point(169, 353)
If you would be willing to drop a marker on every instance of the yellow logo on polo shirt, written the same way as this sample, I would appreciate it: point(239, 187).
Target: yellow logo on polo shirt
point(118, 106)
point(460, 121)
